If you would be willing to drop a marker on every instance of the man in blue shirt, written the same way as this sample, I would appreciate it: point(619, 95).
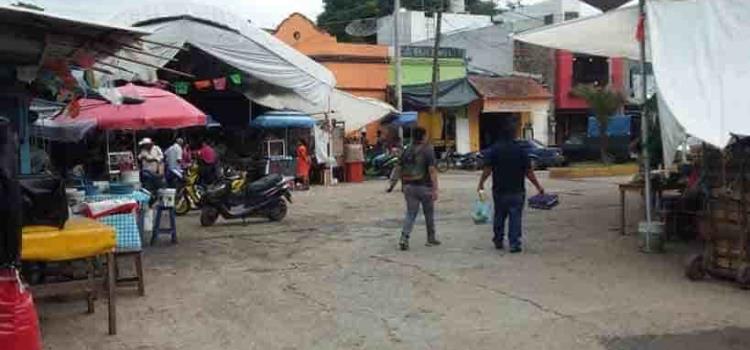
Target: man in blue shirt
point(509, 166)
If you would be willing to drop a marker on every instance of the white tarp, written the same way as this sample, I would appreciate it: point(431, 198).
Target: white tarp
point(355, 112)
point(611, 34)
point(701, 58)
point(672, 133)
point(290, 80)
point(700, 52)
point(228, 38)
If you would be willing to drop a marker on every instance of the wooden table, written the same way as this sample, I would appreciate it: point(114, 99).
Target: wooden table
point(79, 239)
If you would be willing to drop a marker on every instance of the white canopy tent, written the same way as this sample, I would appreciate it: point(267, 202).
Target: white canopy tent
point(283, 77)
point(700, 52)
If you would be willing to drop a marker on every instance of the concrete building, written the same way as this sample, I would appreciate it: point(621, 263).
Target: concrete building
point(521, 99)
point(489, 50)
point(545, 13)
point(418, 26)
point(416, 64)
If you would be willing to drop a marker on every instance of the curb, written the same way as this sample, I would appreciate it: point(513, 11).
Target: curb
point(602, 171)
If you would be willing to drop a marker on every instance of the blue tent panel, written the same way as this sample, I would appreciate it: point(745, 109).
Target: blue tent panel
point(283, 120)
point(619, 125)
point(406, 118)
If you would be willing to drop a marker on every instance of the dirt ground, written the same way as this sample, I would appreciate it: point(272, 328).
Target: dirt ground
point(329, 277)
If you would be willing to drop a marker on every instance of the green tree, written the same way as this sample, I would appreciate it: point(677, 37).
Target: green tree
point(337, 14)
point(26, 5)
point(604, 103)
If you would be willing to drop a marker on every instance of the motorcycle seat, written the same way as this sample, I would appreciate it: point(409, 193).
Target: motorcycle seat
point(264, 183)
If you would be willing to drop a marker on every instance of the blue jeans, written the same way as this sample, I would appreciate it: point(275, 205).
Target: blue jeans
point(510, 207)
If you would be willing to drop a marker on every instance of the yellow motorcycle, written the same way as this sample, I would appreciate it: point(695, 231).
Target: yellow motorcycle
point(190, 191)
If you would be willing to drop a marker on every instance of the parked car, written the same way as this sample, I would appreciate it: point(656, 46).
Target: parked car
point(579, 147)
point(542, 156)
point(576, 149)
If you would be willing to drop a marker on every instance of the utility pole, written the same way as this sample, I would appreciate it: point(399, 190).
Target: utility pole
point(645, 128)
point(435, 59)
point(397, 55)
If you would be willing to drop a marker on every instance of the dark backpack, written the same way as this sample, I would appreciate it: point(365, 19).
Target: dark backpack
point(413, 164)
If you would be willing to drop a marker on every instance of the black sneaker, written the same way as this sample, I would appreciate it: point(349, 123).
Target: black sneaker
point(499, 245)
point(515, 250)
point(403, 245)
point(433, 242)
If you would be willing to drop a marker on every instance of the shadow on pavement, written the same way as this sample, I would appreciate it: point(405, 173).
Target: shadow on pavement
point(730, 338)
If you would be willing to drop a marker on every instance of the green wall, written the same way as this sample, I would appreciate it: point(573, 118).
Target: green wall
point(419, 70)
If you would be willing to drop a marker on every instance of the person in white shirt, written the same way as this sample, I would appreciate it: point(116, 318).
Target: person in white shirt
point(151, 159)
point(151, 156)
point(173, 159)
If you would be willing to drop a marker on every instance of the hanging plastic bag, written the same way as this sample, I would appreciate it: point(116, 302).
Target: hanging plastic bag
point(19, 325)
point(481, 211)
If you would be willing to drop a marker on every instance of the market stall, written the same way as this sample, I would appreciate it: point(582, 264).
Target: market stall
point(281, 131)
point(36, 59)
point(701, 37)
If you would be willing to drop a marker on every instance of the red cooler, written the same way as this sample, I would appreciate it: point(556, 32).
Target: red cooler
point(355, 172)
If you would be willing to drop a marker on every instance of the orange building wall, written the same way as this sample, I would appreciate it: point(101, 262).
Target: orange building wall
point(344, 60)
point(308, 31)
point(359, 76)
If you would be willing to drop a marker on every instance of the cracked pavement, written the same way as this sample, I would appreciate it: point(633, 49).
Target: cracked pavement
point(329, 277)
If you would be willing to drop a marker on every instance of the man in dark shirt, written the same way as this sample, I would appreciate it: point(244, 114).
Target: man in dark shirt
point(420, 185)
point(509, 166)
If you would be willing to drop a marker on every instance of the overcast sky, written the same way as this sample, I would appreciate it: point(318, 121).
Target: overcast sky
point(264, 13)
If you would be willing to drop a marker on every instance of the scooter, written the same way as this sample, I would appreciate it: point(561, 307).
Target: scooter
point(266, 197)
point(189, 189)
point(381, 165)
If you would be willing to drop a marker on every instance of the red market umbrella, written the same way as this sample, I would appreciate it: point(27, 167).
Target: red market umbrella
point(160, 110)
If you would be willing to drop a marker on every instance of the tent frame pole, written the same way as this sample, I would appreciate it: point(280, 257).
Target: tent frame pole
point(645, 128)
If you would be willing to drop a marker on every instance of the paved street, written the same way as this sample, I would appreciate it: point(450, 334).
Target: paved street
point(329, 277)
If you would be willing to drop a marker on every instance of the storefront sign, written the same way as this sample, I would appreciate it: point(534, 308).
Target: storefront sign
point(494, 105)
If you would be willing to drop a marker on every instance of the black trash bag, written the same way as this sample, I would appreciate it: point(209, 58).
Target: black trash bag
point(44, 200)
point(10, 192)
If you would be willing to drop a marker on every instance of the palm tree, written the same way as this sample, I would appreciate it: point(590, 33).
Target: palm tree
point(604, 102)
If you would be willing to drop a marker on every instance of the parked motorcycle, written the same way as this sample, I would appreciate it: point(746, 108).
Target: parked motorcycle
point(235, 198)
point(381, 165)
point(453, 160)
point(189, 190)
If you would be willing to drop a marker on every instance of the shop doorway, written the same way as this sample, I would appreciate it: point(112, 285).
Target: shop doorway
point(491, 123)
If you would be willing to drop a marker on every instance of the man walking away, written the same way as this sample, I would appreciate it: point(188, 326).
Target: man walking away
point(509, 165)
point(419, 178)
point(173, 158)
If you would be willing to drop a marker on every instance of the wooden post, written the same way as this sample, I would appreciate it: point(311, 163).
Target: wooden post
point(112, 294)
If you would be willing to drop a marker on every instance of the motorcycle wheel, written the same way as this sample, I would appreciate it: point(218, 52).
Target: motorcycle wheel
point(182, 206)
point(278, 212)
point(209, 216)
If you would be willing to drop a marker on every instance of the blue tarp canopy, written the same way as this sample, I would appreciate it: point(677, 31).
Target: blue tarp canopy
point(402, 119)
point(283, 120)
point(619, 125)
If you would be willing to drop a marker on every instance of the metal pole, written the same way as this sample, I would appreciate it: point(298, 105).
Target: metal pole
point(435, 60)
point(645, 127)
point(397, 54)
point(397, 64)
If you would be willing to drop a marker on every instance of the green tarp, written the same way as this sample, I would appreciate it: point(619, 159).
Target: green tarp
point(451, 94)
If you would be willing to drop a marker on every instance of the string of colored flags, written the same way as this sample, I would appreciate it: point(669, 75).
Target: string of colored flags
point(218, 84)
